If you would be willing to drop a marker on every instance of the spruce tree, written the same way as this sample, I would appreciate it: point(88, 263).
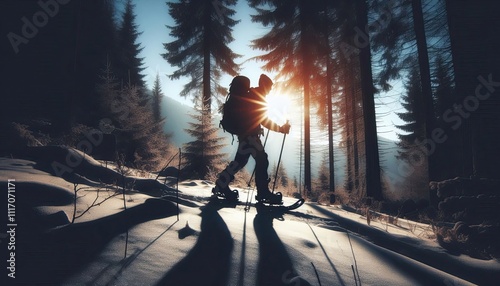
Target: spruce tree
point(143, 142)
point(202, 155)
point(157, 96)
point(416, 181)
point(414, 126)
point(419, 28)
point(140, 138)
point(108, 92)
point(156, 107)
point(130, 65)
point(200, 50)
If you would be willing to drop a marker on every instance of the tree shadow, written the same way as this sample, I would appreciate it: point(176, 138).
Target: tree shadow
point(209, 261)
point(49, 257)
point(275, 266)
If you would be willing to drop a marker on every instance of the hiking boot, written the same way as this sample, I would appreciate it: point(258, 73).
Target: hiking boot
point(226, 193)
point(269, 198)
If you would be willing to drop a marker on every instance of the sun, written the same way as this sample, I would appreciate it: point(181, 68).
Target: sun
point(277, 107)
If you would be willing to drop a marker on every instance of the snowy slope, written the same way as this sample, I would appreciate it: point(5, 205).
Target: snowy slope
point(148, 244)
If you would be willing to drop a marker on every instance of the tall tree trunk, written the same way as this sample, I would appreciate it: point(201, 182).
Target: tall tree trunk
point(475, 43)
point(206, 97)
point(373, 182)
point(329, 79)
point(425, 78)
point(306, 71)
point(465, 168)
point(331, 157)
point(349, 145)
point(354, 118)
point(307, 134)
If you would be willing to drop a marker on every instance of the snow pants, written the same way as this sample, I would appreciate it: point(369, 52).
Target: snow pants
point(247, 146)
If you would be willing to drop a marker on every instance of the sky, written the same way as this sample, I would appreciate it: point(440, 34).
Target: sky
point(152, 18)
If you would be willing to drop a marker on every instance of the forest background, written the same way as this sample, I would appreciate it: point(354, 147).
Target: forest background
point(75, 71)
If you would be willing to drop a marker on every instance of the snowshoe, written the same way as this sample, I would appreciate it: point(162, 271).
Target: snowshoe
point(269, 198)
point(278, 210)
point(226, 194)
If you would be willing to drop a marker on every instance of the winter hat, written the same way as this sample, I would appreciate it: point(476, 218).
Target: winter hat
point(265, 82)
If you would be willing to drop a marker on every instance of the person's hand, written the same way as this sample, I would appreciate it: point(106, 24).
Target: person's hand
point(285, 129)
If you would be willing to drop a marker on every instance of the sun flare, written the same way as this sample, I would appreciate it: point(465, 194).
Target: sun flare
point(277, 107)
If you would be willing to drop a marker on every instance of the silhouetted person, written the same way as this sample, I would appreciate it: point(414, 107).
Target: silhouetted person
point(253, 113)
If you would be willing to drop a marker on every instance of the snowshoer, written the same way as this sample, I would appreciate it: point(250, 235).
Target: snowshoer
point(253, 112)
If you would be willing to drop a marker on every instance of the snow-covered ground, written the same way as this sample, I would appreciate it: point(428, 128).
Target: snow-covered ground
point(150, 243)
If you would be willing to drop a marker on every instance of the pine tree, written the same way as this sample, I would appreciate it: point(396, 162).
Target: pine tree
point(414, 126)
point(416, 181)
point(144, 143)
point(157, 98)
point(425, 79)
point(347, 75)
point(326, 97)
point(292, 47)
point(130, 65)
point(140, 138)
point(132, 131)
point(281, 178)
point(108, 92)
point(372, 164)
point(200, 50)
point(393, 43)
point(156, 107)
point(415, 27)
point(324, 177)
point(203, 155)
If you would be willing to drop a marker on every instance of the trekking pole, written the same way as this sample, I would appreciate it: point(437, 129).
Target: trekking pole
point(279, 160)
point(253, 173)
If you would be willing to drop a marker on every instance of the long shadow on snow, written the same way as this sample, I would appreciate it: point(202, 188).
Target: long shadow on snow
point(438, 260)
point(275, 266)
point(209, 261)
point(50, 257)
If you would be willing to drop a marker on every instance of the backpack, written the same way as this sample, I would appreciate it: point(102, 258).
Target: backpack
point(234, 111)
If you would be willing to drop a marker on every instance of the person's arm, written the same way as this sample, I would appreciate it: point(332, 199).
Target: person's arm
point(269, 124)
point(285, 128)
